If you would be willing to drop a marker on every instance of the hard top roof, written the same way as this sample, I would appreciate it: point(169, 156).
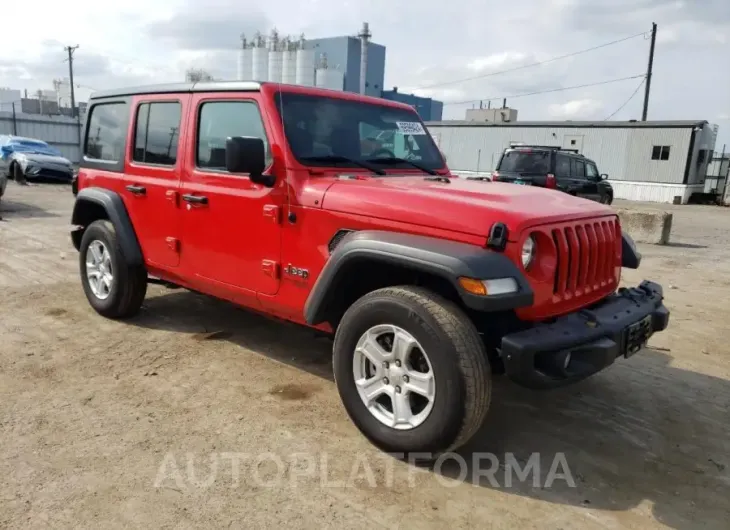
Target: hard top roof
point(239, 86)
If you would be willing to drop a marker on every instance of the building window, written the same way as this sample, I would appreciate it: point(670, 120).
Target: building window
point(660, 152)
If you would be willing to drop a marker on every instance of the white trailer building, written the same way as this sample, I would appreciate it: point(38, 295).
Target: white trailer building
point(654, 161)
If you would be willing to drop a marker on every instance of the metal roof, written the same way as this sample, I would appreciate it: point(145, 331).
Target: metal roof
point(200, 86)
point(671, 124)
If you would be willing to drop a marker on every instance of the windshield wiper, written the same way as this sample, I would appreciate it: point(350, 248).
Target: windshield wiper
point(338, 158)
point(397, 160)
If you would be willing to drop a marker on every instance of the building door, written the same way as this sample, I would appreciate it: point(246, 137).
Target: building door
point(573, 142)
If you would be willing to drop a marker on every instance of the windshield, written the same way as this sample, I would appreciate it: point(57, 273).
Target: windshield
point(319, 127)
point(525, 162)
point(33, 146)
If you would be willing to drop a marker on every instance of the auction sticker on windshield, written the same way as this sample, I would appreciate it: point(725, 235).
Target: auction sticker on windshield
point(410, 127)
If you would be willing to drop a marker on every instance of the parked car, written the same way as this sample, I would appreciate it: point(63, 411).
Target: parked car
point(553, 167)
point(28, 159)
point(260, 194)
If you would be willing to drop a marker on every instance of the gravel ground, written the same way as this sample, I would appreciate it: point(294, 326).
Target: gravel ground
point(143, 424)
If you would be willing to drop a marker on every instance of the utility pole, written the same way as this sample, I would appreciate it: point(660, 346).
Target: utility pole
point(647, 88)
point(71, 50)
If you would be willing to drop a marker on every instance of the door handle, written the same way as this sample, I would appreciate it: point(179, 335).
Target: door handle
point(137, 190)
point(195, 199)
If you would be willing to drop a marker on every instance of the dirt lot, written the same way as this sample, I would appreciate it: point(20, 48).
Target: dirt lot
point(96, 417)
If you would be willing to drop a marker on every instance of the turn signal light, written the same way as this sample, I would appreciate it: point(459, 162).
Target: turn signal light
point(489, 287)
point(550, 181)
point(470, 285)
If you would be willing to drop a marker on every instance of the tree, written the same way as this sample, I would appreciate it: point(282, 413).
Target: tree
point(193, 75)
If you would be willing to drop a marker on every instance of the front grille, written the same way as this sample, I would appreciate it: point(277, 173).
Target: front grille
point(586, 253)
point(55, 174)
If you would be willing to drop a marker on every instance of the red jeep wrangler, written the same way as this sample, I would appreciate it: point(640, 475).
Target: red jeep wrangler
point(284, 200)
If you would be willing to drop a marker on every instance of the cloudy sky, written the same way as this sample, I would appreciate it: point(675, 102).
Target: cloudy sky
point(432, 46)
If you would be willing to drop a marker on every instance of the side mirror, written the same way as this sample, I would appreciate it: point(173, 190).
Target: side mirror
point(245, 154)
point(604, 176)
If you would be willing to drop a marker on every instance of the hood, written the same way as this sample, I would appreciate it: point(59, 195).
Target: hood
point(45, 159)
point(465, 206)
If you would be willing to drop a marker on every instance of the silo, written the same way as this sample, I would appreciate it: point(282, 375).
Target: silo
point(276, 60)
point(289, 63)
point(260, 69)
point(245, 60)
point(330, 78)
point(305, 67)
point(326, 77)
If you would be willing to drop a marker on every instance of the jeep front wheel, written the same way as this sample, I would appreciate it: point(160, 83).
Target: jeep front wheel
point(412, 371)
point(114, 288)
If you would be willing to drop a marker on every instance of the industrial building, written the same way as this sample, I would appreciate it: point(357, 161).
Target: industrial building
point(428, 109)
point(658, 161)
point(348, 63)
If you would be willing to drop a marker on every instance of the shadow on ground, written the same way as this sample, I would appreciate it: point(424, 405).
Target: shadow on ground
point(10, 209)
point(641, 432)
point(684, 245)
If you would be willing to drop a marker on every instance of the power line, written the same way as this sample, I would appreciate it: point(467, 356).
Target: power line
point(516, 68)
point(561, 89)
point(627, 101)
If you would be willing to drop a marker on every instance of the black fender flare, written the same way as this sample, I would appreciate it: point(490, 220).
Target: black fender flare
point(116, 212)
point(448, 259)
point(630, 255)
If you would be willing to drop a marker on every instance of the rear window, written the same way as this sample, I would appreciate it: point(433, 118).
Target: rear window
point(106, 132)
point(525, 161)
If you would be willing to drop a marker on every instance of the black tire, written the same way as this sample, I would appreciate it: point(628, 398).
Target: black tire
point(458, 359)
point(129, 284)
point(18, 175)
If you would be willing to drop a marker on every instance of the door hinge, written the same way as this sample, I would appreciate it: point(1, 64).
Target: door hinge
point(173, 243)
point(270, 268)
point(172, 196)
point(272, 212)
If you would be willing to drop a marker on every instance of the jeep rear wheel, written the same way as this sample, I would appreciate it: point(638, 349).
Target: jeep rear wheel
point(412, 371)
point(114, 288)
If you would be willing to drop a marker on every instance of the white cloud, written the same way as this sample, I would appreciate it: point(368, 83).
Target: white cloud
point(578, 108)
point(497, 61)
point(430, 45)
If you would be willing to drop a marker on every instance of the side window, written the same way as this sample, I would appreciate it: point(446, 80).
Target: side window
point(219, 120)
point(157, 133)
point(591, 171)
point(106, 133)
point(580, 169)
point(562, 166)
point(573, 170)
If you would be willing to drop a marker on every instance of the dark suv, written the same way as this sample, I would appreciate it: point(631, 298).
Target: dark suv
point(554, 167)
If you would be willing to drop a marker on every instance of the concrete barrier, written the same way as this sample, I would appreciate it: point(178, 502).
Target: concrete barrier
point(645, 225)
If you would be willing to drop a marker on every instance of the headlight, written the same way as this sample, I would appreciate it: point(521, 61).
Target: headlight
point(528, 251)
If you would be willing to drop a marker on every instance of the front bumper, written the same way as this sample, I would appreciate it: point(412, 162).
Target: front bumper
point(48, 173)
point(580, 344)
